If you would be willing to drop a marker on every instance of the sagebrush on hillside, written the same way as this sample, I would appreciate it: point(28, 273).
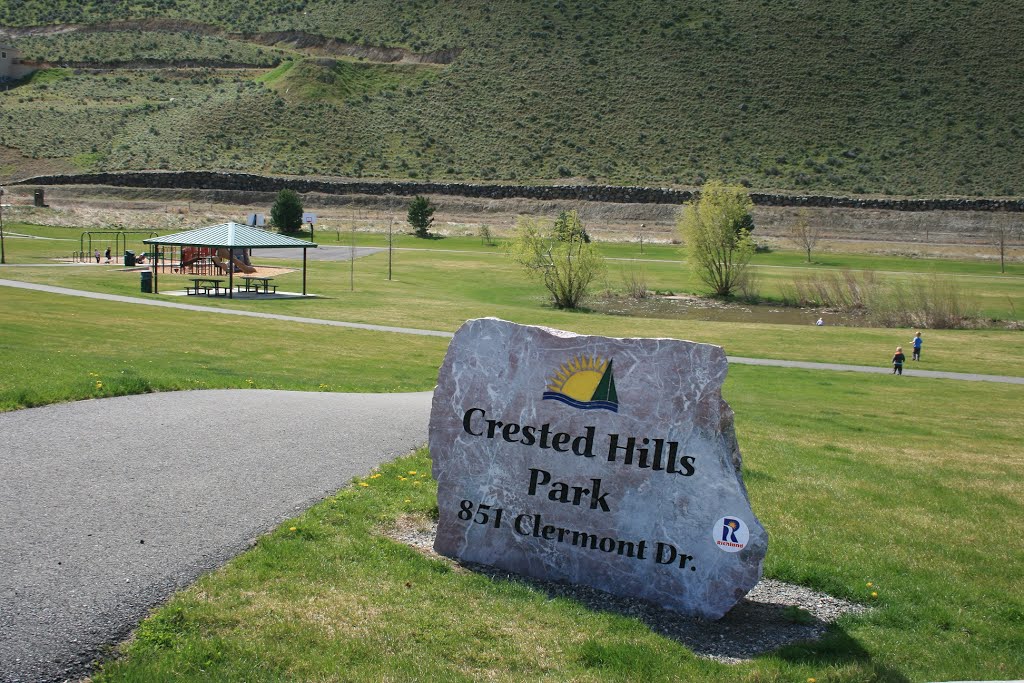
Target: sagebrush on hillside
point(865, 97)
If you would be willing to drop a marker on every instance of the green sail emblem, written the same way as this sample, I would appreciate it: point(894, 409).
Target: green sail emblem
point(606, 388)
point(585, 382)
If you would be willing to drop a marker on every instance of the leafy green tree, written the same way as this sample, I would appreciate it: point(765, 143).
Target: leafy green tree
point(421, 216)
point(716, 230)
point(568, 226)
point(286, 213)
point(566, 267)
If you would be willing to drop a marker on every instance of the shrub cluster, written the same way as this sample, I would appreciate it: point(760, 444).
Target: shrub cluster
point(927, 301)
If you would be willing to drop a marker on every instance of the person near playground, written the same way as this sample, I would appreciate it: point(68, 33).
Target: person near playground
point(917, 346)
point(106, 254)
point(897, 361)
point(97, 255)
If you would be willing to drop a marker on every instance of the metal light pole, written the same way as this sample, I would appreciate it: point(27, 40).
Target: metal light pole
point(3, 255)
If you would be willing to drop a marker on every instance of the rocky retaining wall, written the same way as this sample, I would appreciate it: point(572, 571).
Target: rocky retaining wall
point(209, 180)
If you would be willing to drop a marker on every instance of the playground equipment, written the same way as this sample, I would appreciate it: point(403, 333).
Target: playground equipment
point(86, 250)
point(186, 260)
point(234, 258)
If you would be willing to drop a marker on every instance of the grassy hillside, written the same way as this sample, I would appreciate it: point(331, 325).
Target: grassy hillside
point(857, 96)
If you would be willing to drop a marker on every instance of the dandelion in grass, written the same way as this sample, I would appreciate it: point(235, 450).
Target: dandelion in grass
point(403, 479)
point(874, 594)
point(293, 528)
point(363, 483)
point(869, 584)
point(412, 471)
point(407, 500)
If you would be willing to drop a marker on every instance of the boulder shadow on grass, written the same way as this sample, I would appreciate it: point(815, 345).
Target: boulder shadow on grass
point(773, 615)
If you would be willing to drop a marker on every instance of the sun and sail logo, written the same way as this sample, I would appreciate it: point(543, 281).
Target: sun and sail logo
point(585, 382)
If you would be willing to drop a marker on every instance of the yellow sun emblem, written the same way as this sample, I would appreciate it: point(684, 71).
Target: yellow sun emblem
point(579, 377)
point(585, 382)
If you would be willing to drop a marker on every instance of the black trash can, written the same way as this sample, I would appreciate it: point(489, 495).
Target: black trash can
point(147, 281)
point(129, 258)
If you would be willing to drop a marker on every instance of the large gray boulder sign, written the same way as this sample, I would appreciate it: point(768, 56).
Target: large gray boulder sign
point(606, 462)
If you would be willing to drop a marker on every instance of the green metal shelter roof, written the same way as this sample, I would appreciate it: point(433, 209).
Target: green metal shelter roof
point(230, 235)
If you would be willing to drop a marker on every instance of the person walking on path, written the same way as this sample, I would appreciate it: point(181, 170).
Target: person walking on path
point(897, 361)
point(106, 254)
point(917, 346)
point(97, 255)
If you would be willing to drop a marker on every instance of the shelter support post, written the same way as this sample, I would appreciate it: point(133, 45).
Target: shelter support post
point(303, 271)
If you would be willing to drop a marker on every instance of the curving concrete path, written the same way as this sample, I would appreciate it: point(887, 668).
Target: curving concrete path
point(909, 369)
point(109, 506)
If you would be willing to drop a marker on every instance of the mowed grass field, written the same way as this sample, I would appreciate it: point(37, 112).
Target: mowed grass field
point(908, 484)
point(438, 284)
point(894, 495)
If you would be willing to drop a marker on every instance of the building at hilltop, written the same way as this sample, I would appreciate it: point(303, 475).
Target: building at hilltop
point(11, 66)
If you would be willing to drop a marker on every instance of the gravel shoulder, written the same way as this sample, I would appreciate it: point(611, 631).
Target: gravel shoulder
point(109, 506)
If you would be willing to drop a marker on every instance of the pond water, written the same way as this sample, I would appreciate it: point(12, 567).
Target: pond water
point(696, 308)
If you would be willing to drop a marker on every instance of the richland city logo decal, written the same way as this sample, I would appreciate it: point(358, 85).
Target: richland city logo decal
point(730, 534)
point(585, 382)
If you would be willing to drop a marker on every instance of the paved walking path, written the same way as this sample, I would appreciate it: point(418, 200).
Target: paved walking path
point(908, 369)
point(109, 506)
point(209, 309)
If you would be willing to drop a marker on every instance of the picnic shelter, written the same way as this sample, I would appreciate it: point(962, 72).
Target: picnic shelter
point(230, 236)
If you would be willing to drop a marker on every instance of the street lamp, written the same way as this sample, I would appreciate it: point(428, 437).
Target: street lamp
point(3, 256)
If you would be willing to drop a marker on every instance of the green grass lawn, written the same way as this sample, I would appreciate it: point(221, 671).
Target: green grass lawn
point(909, 484)
point(858, 479)
point(439, 289)
point(72, 349)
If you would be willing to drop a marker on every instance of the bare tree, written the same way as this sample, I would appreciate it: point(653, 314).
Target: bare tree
point(1005, 230)
point(804, 233)
point(923, 223)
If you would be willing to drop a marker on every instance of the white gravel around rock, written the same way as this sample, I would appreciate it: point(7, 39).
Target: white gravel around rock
point(772, 615)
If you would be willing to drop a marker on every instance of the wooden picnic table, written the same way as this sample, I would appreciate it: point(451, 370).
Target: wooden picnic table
point(206, 284)
point(252, 284)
